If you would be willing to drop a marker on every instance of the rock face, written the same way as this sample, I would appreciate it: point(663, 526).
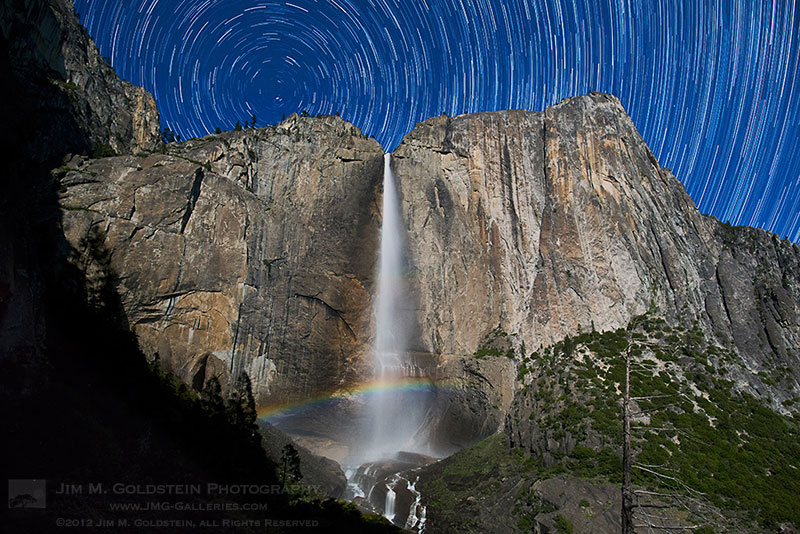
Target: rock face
point(59, 97)
point(244, 251)
point(322, 475)
point(54, 58)
point(472, 399)
point(549, 224)
point(254, 251)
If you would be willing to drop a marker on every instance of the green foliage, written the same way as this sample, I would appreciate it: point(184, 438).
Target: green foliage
point(567, 347)
point(212, 402)
point(78, 208)
point(482, 470)
point(748, 460)
point(290, 459)
point(525, 523)
point(563, 525)
point(730, 446)
point(67, 86)
point(494, 344)
point(102, 150)
point(241, 407)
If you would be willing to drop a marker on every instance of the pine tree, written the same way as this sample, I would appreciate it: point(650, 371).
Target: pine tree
point(290, 459)
point(213, 402)
point(242, 406)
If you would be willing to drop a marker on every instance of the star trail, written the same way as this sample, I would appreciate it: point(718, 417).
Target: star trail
point(711, 85)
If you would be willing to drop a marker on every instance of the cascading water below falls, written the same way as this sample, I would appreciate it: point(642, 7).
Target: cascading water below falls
point(389, 507)
point(416, 515)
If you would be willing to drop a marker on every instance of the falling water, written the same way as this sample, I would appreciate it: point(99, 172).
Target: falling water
point(390, 330)
point(416, 515)
point(389, 506)
point(394, 416)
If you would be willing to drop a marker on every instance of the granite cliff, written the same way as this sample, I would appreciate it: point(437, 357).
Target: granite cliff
point(551, 224)
point(61, 97)
point(254, 251)
point(549, 233)
point(75, 100)
point(243, 251)
point(64, 342)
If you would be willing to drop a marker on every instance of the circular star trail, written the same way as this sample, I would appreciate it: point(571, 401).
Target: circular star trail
point(713, 86)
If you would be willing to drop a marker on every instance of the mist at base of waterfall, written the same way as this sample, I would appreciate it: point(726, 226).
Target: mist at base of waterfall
point(393, 424)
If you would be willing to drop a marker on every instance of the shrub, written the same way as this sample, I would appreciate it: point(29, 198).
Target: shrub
point(102, 150)
point(563, 525)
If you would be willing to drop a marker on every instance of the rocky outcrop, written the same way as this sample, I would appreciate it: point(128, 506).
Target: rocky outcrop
point(244, 251)
point(81, 104)
point(553, 223)
point(59, 97)
point(470, 402)
point(586, 506)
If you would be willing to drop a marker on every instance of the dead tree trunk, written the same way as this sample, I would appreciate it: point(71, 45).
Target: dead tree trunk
point(627, 491)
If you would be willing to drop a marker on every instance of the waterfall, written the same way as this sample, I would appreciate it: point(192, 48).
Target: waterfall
point(390, 328)
point(389, 507)
point(417, 507)
point(394, 411)
point(395, 408)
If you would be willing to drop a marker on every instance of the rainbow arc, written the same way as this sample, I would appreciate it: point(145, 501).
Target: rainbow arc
point(365, 390)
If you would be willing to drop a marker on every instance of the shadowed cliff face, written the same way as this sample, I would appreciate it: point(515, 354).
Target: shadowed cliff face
point(549, 224)
point(59, 97)
point(244, 251)
point(77, 101)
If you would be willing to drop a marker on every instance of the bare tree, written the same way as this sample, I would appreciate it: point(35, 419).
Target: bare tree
point(627, 491)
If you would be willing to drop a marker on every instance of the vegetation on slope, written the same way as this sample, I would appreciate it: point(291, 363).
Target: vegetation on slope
point(717, 440)
point(566, 423)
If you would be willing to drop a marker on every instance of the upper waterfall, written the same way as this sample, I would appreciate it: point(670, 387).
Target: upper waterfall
point(396, 409)
point(390, 324)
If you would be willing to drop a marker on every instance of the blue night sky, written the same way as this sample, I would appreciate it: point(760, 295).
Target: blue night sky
point(713, 86)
